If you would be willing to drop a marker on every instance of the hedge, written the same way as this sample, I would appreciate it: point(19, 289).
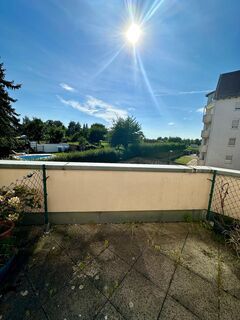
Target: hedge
point(97, 155)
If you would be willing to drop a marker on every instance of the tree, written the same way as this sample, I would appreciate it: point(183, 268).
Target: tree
point(124, 132)
point(9, 121)
point(54, 131)
point(55, 134)
point(97, 132)
point(73, 128)
point(85, 131)
point(175, 139)
point(82, 143)
point(33, 129)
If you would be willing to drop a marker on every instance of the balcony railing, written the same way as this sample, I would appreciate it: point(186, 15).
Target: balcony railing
point(105, 192)
point(205, 133)
point(201, 162)
point(207, 118)
point(203, 148)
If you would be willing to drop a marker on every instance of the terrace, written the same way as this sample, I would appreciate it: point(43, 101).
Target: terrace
point(118, 246)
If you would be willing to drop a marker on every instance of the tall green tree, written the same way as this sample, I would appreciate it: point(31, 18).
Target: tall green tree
point(85, 131)
point(54, 131)
point(73, 128)
point(97, 132)
point(33, 129)
point(125, 132)
point(9, 121)
point(56, 134)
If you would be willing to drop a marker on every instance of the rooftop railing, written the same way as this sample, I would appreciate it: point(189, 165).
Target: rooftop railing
point(98, 192)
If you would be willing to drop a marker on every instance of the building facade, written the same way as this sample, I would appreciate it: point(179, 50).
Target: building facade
point(221, 132)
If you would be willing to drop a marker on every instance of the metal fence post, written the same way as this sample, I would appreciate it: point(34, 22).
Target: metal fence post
point(211, 194)
point(45, 197)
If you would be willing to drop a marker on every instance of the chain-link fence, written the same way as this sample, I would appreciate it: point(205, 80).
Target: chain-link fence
point(32, 184)
point(224, 201)
point(31, 190)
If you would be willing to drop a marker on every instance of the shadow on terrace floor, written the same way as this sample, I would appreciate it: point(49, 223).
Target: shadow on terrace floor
point(126, 271)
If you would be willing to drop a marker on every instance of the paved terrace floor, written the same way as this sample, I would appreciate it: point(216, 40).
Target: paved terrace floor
point(126, 271)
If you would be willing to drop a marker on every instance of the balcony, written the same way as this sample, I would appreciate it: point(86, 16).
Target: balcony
point(207, 118)
point(201, 162)
point(205, 133)
point(101, 270)
point(203, 148)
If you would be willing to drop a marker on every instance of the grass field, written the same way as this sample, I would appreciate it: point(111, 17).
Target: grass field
point(183, 160)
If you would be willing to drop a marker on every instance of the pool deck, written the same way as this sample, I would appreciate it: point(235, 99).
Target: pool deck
point(125, 271)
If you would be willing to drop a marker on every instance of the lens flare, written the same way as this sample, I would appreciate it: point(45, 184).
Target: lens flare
point(133, 33)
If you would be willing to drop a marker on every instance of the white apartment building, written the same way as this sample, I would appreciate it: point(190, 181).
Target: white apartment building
point(221, 132)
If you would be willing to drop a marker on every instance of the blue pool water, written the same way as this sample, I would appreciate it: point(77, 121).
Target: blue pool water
point(35, 156)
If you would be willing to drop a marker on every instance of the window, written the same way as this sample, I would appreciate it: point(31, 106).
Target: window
point(237, 106)
point(235, 124)
point(228, 158)
point(232, 141)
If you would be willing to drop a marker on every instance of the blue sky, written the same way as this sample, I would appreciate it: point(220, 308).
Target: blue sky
point(74, 61)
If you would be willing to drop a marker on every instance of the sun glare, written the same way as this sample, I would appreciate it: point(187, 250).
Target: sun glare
point(133, 33)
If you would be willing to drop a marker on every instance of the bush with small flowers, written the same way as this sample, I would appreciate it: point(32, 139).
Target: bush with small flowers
point(20, 199)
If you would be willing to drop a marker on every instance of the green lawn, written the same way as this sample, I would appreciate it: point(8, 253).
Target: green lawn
point(183, 160)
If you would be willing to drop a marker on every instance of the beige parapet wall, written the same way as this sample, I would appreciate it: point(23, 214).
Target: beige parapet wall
point(85, 187)
point(87, 192)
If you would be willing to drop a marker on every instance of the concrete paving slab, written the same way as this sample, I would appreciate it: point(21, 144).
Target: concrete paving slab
point(156, 267)
point(38, 315)
point(78, 244)
point(18, 302)
point(230, 273)
point(75, 268)
point(201, 256)
point(168, 237)
point(138, 235)
point(28, 235)
point(173, 310)
point(51, 275)
point(138, 298)
point(117, 240)
point(78, 300)
point(197, 295)
point(229, 307)
point(109, 313)
point(121, 242)
point(107, 272)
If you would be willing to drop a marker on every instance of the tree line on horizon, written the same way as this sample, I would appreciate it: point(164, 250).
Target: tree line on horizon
point(124, 132)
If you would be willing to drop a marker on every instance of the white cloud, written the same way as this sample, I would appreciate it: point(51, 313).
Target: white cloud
point(200, 110)
point(178, 93)
point(67, 87)
point(97, 108)
point(131, 109)
point(171, 123)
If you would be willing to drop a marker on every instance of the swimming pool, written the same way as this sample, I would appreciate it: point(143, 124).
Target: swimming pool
point(34, 156)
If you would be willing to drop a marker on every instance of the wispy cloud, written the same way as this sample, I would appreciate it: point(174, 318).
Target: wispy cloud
point(171, 123)
point(67, 87)
point(97, 108)
point(200, 110)
point(178, 93)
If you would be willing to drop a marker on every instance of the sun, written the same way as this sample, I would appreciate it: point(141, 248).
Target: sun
point(133, 33)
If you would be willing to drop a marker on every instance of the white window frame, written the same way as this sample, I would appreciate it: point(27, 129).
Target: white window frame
point(237, 106)
point(231, 144)
point(229, 158)
point(236, 125)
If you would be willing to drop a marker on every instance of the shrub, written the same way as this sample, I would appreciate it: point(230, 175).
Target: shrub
point(97, 155)
point(16, 201)
point(151, 149)
point(234, 239)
